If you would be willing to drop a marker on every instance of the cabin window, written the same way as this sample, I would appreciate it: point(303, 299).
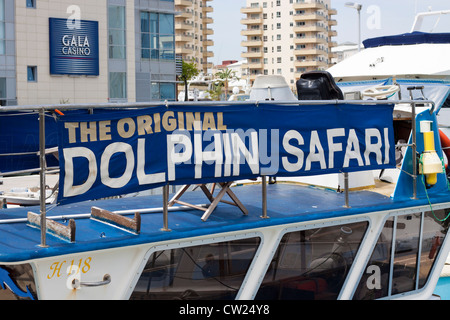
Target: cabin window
point(403, 265)
point(312, 264)
point(208, 271)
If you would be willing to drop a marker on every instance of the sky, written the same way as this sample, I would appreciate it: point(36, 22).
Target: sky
point(378, 18)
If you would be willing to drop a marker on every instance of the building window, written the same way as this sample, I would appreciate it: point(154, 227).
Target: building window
point(116, 32)
point(3, 91)
point(161, 91)
point(32, 73)
point(31, 3)
point(2, 27)
point(118, 85)
point(157, 36)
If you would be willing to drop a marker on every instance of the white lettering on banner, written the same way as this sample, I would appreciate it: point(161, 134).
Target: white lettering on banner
point(143, 177)
point(111, 150)
point(207, 156)
point(352, 151)
point(69, 154)
point(293, 167)
point(227, 150)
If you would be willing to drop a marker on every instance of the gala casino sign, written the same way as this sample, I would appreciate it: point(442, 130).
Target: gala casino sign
point(73, 51)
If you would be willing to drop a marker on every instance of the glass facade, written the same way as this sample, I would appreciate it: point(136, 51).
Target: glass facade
point(161, 91)
point(2, 27)
point(116, 32)
point(117, 85)
point(157, 36)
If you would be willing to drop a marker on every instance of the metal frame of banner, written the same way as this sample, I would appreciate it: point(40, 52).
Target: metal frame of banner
point(43, 108)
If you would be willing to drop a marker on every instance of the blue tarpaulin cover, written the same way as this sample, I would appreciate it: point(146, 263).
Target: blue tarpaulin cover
point(407, 38)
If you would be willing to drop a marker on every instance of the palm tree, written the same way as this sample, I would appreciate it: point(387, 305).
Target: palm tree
point(189, 70)
point(226, 75)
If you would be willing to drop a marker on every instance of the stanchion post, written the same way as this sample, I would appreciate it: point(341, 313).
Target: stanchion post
point(43, 166)
point(264, 197)
point(165, 208)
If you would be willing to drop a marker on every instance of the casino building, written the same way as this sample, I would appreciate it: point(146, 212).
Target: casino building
point(73, 51)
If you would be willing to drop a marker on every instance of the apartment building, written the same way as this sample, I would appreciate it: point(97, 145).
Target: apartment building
point(73, 51)
point(192, 32)
point(287, 37)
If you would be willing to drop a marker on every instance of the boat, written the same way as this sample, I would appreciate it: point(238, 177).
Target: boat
point(225, 240)
point(217, 230)
point(26, 197)
point(393, 67)
point(198, 88)
point(271, 87)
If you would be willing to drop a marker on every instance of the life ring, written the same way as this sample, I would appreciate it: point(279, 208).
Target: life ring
point(445, 143)
point(381, 92)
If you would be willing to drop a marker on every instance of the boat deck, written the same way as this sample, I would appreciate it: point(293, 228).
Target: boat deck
point(286, 203)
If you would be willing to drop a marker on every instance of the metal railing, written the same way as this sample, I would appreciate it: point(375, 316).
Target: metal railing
point(42, 109)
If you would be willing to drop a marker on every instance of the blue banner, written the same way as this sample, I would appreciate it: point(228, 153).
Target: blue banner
point(74, 49)
point(120, 152)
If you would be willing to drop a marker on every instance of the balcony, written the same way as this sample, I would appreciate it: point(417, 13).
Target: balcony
point(183, 50)
point(309, 52)
point(207, 9)
point(309, 29)
point(252, 54)
point(307, 40)
point(252, 43)
point(183, 15)
point(252, 32)
point(207, 20)
point(208, 65)
point(252, 21)
point(184, 3)
point(332, 12)
point(183, 26)
point(309, 5)
point(208, 31)
point(250, 10)
point(208, 54)
point(332, 44)
point(309, 63)
point(332, 22)
point(183, 38)
point(255, 65)
point(309, 17)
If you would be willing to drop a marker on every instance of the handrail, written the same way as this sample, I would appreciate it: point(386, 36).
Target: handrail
point(43, 108)
point(52, 107)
